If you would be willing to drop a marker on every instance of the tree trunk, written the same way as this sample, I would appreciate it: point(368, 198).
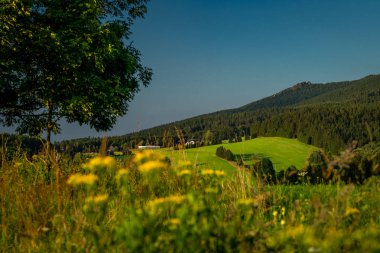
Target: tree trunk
point(49, 126)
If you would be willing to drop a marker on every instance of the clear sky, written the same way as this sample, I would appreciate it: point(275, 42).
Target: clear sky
point(209, 55)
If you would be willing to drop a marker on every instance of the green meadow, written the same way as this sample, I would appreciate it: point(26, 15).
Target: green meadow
point(283, 152)
point(147, 203)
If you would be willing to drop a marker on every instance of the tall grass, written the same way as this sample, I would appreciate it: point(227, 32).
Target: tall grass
point(151, 204)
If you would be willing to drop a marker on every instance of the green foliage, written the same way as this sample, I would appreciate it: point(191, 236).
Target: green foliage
point(265, 171)
point(68, 59)
point(291, 175)
point(16, 145)
point(225, 153)
point(317, 167)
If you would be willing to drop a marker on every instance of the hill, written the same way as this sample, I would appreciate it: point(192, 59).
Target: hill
point(283, 152)
point(365, 90)
point(329, 116)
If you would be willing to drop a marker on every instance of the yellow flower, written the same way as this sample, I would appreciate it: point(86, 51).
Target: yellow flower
point(275, 213)
point(151, 165)
point(246, 202)
point(212, 172)
point(174, 221)
point(121, 172)
point(109, 161)
point(101, 162)
point(140, 156)
point(176, 199)
point(283, 222)
point(97, 198)
point(182, 163)
point(283, 210)
point(147, 155)
point(219, 172)
point(95, 162)
point(350, 211)
point(207, 172)
point(184, 172)
point(77, 179)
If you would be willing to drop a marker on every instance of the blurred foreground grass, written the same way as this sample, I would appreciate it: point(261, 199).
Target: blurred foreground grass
point(152, 204)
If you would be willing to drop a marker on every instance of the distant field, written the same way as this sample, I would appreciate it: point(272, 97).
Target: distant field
point(283, 152)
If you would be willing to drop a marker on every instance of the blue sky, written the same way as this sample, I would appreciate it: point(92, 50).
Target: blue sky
point(209, 55)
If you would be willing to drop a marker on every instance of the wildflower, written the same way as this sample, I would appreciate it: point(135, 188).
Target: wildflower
point(182, 163)
point(274, 213)
point(174, 221)
point(283, 222)
point(97, 198)
point(95, 162)
point(212, 172)
point(121, 172)
point(175, 199)
point(147, 155)
point(350, 211)
point(77, 179)
point(207, 172)
point(109, 161)
point(151, 165)
point(246, 202)
point(283, 211)
point(219, 172)
point(101, 162)
point(184, 172)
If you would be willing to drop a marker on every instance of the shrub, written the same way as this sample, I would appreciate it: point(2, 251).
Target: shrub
point(225, 153)
point(265, 171)
point(317, 167)
point(291, 175)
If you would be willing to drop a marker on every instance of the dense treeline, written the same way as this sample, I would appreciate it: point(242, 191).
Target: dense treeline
point(12, 145)
point(330, 126)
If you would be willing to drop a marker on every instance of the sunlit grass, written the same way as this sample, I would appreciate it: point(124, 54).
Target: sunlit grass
point(152, 204)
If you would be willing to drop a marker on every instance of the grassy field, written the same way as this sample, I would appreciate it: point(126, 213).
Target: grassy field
point(283, 152)
point(146, 204)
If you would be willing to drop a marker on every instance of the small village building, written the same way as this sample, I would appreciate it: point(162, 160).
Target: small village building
point(148, 147)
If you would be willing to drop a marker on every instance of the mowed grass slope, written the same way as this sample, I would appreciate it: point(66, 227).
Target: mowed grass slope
point(283, 152)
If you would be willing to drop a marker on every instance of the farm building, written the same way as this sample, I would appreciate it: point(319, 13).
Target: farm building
point(148, 147)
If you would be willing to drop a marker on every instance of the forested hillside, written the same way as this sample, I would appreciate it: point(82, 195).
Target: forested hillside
point(326, 115)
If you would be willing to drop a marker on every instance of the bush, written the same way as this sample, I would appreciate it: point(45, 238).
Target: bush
point(225, 153)
point(291, 175)
point(265, 171)
point(317, 167)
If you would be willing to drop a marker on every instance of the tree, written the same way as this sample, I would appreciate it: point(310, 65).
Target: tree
point(291, 175)
point(317, 166)
point(68, 59)
point(229, 156)
point(265, 171)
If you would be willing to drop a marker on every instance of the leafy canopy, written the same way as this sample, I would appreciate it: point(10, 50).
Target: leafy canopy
point(68, 59)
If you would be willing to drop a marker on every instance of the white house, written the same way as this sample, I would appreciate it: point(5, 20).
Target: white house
point(148, 147)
